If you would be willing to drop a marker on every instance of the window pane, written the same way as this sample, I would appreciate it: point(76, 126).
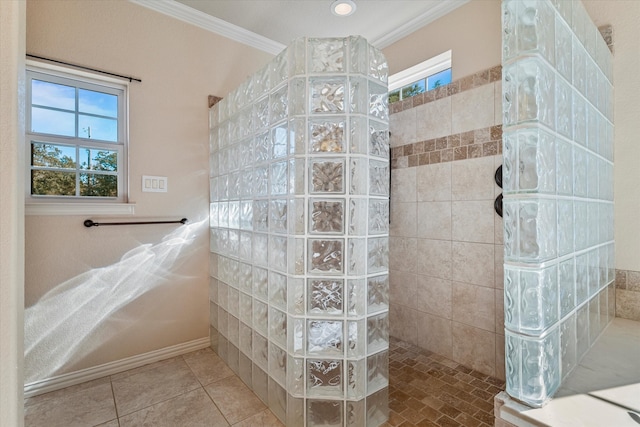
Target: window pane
point(97, 128)
point(98, 160)
point(53, 122)
point(413, 89)
point(440, 79)
point(98, 185)
point(53, 95)
point(99, 103)
point(394, 96)
point(52, 183)
point(53, 156)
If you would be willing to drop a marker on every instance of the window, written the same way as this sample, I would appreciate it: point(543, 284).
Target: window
point(76, 137)
point(428, 75)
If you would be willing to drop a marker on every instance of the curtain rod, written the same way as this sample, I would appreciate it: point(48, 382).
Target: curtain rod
point(89, 223)
point(131, 79)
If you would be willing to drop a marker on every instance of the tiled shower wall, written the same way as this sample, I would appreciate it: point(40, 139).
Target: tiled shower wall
point(628, 294)
point(299, 233)
point(446, 247)
point(558, 181)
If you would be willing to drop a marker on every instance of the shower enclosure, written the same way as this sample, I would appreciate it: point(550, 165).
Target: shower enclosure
point(299, 213)
point(558, 186)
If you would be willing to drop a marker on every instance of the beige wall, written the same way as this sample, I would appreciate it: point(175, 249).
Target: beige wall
point(624, 16)
point(102, 294)
point(472, 32)
point(12, 35)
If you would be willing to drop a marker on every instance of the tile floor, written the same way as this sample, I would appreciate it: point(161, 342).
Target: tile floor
point(199, 389)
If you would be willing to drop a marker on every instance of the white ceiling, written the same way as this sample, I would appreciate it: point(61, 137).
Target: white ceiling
point(270, 25)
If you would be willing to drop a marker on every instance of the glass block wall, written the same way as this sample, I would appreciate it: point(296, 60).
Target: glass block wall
point(558, 186)
point(299, 233)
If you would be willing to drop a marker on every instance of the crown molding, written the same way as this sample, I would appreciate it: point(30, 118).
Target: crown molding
point(216, 25)
point(438, 11)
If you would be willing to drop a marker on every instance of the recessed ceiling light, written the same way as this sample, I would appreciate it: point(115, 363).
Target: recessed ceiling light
point(343, 7)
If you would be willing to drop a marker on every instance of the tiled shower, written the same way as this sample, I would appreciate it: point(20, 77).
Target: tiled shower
point(558, 186)
point(299, 233)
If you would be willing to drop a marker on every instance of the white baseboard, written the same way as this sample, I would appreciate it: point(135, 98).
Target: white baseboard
point(84, 375)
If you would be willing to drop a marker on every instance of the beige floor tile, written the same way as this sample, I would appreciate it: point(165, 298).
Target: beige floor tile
point(194, 408)
point(112, 423)
point(234, 399)
point(158, 382)
point(261, 419)
point(207, 366)
point(87, 404)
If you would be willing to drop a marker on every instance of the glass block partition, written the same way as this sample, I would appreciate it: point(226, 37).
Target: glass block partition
point(558, 192)
point(299, 233)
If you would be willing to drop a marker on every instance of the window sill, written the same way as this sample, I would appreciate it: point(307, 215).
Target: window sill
point(79, 208)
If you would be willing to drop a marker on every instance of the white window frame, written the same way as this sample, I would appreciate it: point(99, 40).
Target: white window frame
point(79, 205)
point(420, 71)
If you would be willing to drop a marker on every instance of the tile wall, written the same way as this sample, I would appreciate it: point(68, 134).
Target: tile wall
point(445, 252)
point(628, 294)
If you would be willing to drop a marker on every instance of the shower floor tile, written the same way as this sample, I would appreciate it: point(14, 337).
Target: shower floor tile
point(425, 390)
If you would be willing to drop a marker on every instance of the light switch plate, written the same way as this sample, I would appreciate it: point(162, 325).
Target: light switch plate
point(154, 184)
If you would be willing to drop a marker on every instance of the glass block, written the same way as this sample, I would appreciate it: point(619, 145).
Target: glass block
point(377, 333)
point(565, 227)
point(358, 102)
point(297, 97)
point(535, 29)
point(378, 67)
point(378, 139)
point(327, 95)
point(357, 210)
point(278, 253)
point(297, 171)
point(377, 371)
point(260, 283)
point(261, 181)
point(213, 215)
point(356, 338)
point(563, 108)
point(278, 290)
point(325, 378)
point(378, 407)
point(326, 256)
point(324, 337)
point(592, 128)
point(213, 189)
point(277, 363)
point(324, 413)
point(327, 135)
point(580, 172)
point(582, 331)
point(594, 272)
point(261, 114)
point(297, 135)
point(278, 327)
point(213, 315)
point(262, 147)
point(278, 216)
point(260, 382)
point(356, 379)
point(296, 256)
point(379, 174)
point(378, 102)
point(260, 249)
point(279, 69)
point(603, 305)
point(245, 308)
point(327, 176)
point(223, 348)
point(356, 297)
point(325, 296)
point(223, 214)
point(234, 243)
point(233, 357)
point(278, 105)
point(579, 119)
point(297, 56)
point(279, 141)
point(568, 345)
point(378, 216)
point(563, 40)
point(537, 360)
point(591, 92)
point(377, 293)
point(594, 319)
point(246, 215)
point(260, 316)
point(277, 399)
point(535, 92)
point(233, 325)
point(296, 336)
point(510, 94)
point(279, 178)
point(377, 255)
point(234, 215)
point(509, 161)
point(326, 55)
point(536, 160)
point(326, 216)
point(567, 286)
point(234, 157)
point(234, 300)
point(295, 376)
point(358, 48)
point(295, 296)
point(358, 142)
point(246, 183)
point(358, 175)
point(537, 230)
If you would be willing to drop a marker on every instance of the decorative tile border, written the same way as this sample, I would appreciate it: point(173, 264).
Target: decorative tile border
point(473, 81)
point(628, 280)
point(460, 146)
